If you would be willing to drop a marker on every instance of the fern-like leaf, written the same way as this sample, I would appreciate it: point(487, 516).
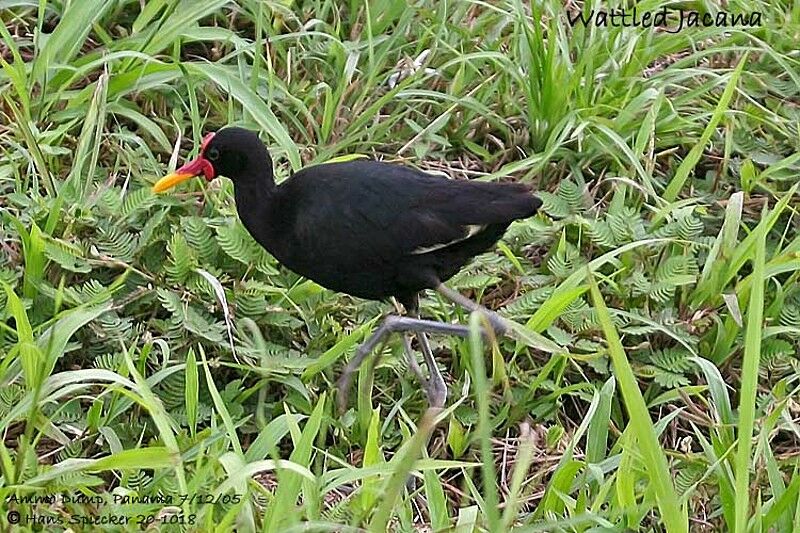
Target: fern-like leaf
point(67, 255)
point(238, 245)
point(117, 244)
point(137, 200)
point(182, 262)
point(199, 236)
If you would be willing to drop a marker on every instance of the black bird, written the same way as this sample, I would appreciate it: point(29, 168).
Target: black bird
point(366, 228)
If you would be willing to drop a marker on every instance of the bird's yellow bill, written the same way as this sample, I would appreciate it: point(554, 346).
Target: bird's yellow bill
point(171, 180)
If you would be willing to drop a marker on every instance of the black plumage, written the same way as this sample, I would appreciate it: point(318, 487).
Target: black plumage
point(366, 228)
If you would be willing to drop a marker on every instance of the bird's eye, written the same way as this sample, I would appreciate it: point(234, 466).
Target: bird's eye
point(212, 154)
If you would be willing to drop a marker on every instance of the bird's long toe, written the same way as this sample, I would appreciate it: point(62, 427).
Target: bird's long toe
point(343, 390)
point(436, 391)
point(412, 362)
point(497, 322)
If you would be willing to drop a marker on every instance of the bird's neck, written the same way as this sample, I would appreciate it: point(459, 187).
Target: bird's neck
point(259, 210)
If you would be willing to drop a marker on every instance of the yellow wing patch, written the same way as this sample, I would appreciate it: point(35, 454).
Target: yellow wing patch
point(472, 230)
point(345, 158)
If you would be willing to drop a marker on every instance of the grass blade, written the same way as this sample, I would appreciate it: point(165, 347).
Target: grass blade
point(673, 517)
point(747, 395)
point(688, 164)
point(68, 36)
point(484, 429)
point(261, 112)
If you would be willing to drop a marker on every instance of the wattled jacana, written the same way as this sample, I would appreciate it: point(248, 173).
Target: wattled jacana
point(366, 228)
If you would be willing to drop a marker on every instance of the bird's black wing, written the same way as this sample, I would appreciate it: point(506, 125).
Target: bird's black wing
point(378, 212)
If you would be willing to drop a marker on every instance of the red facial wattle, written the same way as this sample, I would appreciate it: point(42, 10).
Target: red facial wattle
point(205, 141)
point(200, 166)
point(197, 167)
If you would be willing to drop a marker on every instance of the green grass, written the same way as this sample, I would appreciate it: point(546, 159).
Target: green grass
point(149, 347)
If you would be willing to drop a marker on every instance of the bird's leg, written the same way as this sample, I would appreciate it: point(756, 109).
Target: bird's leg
point(391, 324)
point(412, 361)
point(343, 384)
point(498, 323)
point(435, 387)
point(409, 352)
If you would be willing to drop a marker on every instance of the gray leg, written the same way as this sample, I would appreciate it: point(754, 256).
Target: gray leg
point(412, 361)
point(497, 322)
point(391, 324)
point(410, 357)
point(435, 388)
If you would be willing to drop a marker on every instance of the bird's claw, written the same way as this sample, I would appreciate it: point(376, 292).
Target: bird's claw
point(343, 391)
point(497, 323)
point(437, 397)
point(435, 391)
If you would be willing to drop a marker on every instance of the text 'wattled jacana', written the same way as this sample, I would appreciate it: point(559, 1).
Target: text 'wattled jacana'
point(369, 229)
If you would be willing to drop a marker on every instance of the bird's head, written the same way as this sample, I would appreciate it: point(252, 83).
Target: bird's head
point(232, 152)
